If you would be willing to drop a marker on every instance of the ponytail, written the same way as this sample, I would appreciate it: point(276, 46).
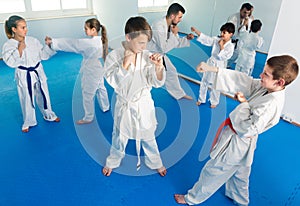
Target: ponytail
point(104, 41)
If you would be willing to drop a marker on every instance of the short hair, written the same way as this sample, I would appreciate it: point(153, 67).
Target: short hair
point(247, 6)
point(229, 27)
point(174, 9)
point(285, 67)
point(136, 26)
point(255, 25)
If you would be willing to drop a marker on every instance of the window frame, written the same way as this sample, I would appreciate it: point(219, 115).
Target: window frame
point(149, 9)
point(46, 14)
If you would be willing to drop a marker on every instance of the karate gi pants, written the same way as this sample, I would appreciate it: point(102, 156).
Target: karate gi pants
point(90, 89)
point(213, 175)
point(172, 82)
point(117, 152)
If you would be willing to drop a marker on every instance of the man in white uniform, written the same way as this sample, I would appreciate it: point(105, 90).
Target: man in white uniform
point(233, 149)
point(165, 38)
point(242, 21)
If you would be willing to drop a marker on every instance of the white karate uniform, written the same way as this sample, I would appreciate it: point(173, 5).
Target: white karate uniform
point(30, 77)
point(134, 114)
point(248, 44)
point(236, 20)
point(162, 44)
point(92, 72)
point(232, 156)
point(218, 59)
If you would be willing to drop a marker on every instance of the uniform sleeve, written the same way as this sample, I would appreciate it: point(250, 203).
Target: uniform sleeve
point(160, 38)
point(227, 52)
point(70, 45)
point(152, 77)
point(11, 55)
point(115, 74)
point(252, 120)
point(205, 40)
point(231, 81)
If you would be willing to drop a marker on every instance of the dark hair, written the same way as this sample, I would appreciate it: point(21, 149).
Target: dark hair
point(136, 26)
point(95, 23)
point(229, 27)
point(10, 23)
point(285, 67)
point(174, 9)
point(247, 6)
point(255, 25)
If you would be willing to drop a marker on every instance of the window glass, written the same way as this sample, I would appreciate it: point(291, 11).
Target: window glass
point(74, 4)
point(11, 6)
point(42, 5)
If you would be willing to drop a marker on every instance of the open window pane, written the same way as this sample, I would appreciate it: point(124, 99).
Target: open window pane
point(11, 6)
point(42, 5)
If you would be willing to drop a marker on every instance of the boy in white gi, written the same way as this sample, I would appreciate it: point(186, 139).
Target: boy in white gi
point(165, 38)
point(232, 152)
point(25, 54)
point(242, 21)
point(92, 80)
point(132, 71)
point(222, 50)
point(248, 44)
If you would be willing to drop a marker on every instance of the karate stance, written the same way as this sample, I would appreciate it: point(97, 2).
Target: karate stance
point(92, 80)
point(165, 38)
point(132, 71)
point(249, 43)
point(232, 152)
point(25, 53)
point(222, 50)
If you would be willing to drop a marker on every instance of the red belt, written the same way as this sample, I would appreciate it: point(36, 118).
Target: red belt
point(227, 122)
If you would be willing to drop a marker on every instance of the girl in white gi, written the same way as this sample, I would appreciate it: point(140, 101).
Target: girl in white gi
point(165, 38)
point(248, 44)
point(132, 71)
point(25, 53)
point(92, 81)
point(222, 50)
point(232, 153)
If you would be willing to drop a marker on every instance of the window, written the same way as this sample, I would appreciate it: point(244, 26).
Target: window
point(152, 5)
point(12, 6)
point(36, 8)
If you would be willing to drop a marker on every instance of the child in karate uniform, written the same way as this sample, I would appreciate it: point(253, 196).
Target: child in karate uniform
point(222, 50)
point(249, 43)
point(132, 71)
point(92, 80)
point(232, 152)
point(25, 53)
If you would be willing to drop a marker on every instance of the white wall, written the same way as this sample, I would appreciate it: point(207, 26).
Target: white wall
point(114, 14)
point(285, 41)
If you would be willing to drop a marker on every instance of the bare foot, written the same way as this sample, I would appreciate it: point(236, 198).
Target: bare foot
point(83, 122)
point(25, 129)
point(57, 119)
point(187, 97)
point(198, 103)
point(106, 171)
point(179, 199)
point(213, 106)
point(162, 171)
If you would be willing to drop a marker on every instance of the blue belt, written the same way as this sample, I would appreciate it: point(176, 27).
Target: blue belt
point(29, 83)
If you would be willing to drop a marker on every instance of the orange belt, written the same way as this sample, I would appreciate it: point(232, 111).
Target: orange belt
point(227, 122)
